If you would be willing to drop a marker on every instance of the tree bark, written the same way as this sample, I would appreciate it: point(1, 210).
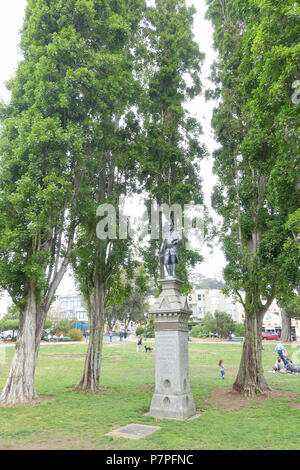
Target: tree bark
point(19, 387)
point(250, 379)
point(90, 379)
point(285, 326)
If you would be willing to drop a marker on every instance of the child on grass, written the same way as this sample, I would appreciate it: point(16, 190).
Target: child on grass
point(222, 370)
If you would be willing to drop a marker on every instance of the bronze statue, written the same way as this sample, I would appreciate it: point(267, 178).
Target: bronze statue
point(169, 250)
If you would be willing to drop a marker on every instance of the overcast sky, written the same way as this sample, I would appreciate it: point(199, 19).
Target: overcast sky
point(11, 18)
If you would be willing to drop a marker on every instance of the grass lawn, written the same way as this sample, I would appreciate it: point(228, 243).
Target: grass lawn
point(77, 420)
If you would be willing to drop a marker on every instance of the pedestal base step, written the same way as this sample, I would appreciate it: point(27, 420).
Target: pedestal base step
point(172, 406)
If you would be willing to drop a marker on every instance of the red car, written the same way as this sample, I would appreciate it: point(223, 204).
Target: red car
point(273, 336)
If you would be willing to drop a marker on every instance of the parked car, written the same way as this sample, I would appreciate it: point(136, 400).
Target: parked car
point(267, 335)
point(213, 335)
point(8, 334)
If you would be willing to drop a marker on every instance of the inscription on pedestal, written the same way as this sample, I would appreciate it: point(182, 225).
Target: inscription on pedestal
point(166, 349)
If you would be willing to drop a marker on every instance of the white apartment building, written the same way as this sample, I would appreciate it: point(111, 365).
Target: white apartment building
point(69, 306)
point(202, 301)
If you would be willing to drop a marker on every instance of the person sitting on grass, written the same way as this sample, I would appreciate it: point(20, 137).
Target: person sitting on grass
point(290, 367)
point(278, 365)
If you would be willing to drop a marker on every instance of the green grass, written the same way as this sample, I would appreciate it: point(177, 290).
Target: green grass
point(80, 420)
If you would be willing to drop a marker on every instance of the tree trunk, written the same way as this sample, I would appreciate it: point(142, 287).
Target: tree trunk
point(250, 380)
point(285, 326)
point(90, 378)
point(19, 387)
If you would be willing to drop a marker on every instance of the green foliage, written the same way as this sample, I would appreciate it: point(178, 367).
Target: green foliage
point(209, 323)
point(239, 329)
point(225, 324)
point(9, 324)
point(170, 148)
point(12, 312)
point(140, 330)
point(48, 324)
point(292, 306)
point(257, 162)
point(220, 323)
point(75, 334)
point(150, 333)
point(199, 331)
point(108, 263)
point(257, 127)
point(128, 300)
point(64, 326)
point(41, 146)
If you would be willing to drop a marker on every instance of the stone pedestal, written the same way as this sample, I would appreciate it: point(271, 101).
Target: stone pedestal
point(172, 397)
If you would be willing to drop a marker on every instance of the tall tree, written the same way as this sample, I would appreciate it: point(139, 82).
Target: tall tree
point(48, 133)
point(42, 148)
point(248, 35)
point(169, 167)
point(100, 259)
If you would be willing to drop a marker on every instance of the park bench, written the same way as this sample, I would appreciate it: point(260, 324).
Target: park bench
point(237, 338)
point(66, 338)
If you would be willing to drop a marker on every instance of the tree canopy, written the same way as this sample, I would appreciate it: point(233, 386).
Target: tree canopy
point(257, 160)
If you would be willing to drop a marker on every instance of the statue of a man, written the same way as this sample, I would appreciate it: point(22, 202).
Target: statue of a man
point(169, 250)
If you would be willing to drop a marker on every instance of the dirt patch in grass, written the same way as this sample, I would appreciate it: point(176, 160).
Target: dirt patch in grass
point(53, 441)
point(231, 400)
point(295, 405)
point(148, 388)
point(67, 355)
point(100, 390)
point(37, 401)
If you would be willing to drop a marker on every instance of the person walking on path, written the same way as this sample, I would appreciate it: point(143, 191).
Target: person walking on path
point(87, 334)
point(110, 335)
point(121, 335)
point(139, 345)
point(279, 350)
point(222, 370)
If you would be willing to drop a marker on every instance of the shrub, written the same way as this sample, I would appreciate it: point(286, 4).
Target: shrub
point(150, 328)
point(76, 334)
point(239, 329)
point(210, 323)
point(63, 326)
point(199, 331)
point(139, 331)
point(225, 323)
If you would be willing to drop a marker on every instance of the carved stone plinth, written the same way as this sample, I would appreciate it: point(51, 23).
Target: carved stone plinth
point(172, 397)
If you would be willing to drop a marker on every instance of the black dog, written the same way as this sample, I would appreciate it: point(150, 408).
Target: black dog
point(147, 348)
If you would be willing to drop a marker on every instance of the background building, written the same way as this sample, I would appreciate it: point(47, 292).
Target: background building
point(202, 301)
point(69, 306)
